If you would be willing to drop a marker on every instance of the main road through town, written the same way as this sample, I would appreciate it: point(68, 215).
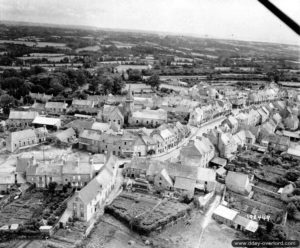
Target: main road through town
point(195, 131)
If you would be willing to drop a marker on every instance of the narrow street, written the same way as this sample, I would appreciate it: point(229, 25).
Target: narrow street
point(207, 217)
point(195, 131)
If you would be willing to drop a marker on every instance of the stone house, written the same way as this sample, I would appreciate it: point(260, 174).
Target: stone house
point(85, 202)
point(56, 107)
point(238, 183)
point(25, 138)
point(197, 152)
point(21, 119)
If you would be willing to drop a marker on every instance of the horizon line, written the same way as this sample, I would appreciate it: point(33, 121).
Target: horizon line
point(192, 35)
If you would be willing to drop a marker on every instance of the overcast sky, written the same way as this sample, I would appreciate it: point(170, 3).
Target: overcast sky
point(233, 19)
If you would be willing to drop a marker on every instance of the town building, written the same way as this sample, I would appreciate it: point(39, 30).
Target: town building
point(238, 183)
point(25, 139)
point(83, 105)
point(87, 201)
point(20, 119)
point(111, 114)
point(198, 152)
point(56, 107)
point(65, 137)
point(50, 123)
point(148, 118)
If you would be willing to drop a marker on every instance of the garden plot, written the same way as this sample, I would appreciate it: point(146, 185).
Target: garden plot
point(34, 205)
point(146, 213)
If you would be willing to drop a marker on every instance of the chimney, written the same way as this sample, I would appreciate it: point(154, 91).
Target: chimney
point(91, 160)
point(16, 178)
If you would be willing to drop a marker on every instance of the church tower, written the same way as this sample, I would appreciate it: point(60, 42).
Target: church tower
point(129, 103)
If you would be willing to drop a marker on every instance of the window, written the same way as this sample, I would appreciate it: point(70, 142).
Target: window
point(137, 121)
point(125, 143)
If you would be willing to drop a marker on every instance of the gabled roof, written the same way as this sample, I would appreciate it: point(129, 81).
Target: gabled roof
point(197, 147)
point(206, 174)
point(226, 213)
point(23, 115)
point(99, 126)
point(60, 105)
point(219, 161)
point(159, 114)
point(26, 134)
point(90, 134)
point(95, 186)
point(88, 103)
point(185, 183)
point(166, 176)
point(80, 124)
point(238, 179)
point(65, 135)
point(41, 120)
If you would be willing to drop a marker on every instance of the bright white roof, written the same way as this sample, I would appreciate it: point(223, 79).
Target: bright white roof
point(225, 212)
point(46, 121)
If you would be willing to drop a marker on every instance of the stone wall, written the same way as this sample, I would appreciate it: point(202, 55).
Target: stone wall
point(265, 192)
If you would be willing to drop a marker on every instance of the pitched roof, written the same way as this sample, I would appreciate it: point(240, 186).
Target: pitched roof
point(42, 120)
point(185, 183)
point(23, 115)
point(99, 126)
point(73, 167)
point(90, 191)
point(60, 105)
point(219, 161)
point(26, 133)
point(159, 114)
point(197, 147)
point(225, 212)
point(206, 174)
point(80, 124)
point(80, 102)
point(238, 179)
point(90, 134)
point(65, 134)
point(166, 176)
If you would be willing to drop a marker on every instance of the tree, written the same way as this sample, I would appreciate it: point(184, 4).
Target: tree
point(291, 209)
point(112, 84)
point(94, 85)
point(153, 81)
point(7, 102)
point(292, 175)
point(107, 84)
point(135, 75)
point(51, 187)
point(118, 85)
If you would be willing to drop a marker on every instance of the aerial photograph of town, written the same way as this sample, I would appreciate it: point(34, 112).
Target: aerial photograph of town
point(149, 123)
